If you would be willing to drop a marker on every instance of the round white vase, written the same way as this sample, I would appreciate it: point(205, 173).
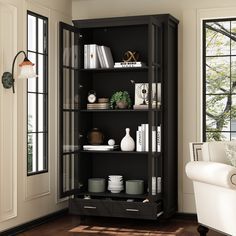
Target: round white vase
point(127, 143)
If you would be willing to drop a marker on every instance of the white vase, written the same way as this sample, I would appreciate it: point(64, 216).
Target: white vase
point(127, 143)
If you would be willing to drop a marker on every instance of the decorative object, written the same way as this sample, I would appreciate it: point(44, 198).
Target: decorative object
point(92, 96)
point(111, 142)
point(130, 56)
point(230, 151)
point(96, 185)
point(142, 95)
point(127, 143)
point(95, 137)
point(120, 100)
point(134, 186)
point(26, 72)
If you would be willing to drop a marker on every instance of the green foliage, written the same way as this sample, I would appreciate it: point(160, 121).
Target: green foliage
point(120, 96)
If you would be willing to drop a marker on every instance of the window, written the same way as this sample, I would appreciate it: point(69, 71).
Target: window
point(219, 79)
point(37, 95)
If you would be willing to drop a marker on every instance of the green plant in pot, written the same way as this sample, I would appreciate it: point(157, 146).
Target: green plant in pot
point(120, 100)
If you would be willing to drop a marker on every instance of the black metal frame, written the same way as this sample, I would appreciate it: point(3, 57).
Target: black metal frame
point(37, 93)
point(204, 56)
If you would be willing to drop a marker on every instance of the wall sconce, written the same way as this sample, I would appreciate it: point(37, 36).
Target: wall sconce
point(26, 72)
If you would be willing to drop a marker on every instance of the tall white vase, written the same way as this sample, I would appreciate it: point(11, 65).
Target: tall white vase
point(127, 143)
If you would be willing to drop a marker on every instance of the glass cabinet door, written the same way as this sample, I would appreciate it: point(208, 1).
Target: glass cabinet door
point(69, 109)
point(155, 108)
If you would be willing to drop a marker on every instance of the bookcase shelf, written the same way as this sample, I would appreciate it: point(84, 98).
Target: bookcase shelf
point(154, 37)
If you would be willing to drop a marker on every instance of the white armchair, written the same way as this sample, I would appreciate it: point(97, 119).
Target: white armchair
point(214, 182)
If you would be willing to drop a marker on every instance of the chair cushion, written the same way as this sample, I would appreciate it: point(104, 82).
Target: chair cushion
point(230, 150)
point(215, 151)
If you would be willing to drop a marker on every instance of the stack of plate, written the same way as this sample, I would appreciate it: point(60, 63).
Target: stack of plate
point(115, 183)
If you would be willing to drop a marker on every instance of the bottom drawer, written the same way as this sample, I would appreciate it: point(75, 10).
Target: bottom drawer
point(97, 207)
point(92, 207)
point(136, 210)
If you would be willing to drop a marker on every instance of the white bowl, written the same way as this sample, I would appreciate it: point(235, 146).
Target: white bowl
point(115, 177)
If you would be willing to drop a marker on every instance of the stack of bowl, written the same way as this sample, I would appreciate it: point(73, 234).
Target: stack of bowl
point(115, 183)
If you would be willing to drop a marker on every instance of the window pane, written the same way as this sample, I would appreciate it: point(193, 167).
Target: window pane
point(32, 158)
point(217, 42)
point(218, 136)
point(40, 36)
point(41, 112)
point(32, 126)
point(217, 75)
point(41, 71)
point(233, 42)
point(31, 33)
point(217, 113)
point(32, 81)
point(41, 152)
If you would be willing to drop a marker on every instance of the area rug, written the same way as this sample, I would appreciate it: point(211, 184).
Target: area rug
point(137, 229)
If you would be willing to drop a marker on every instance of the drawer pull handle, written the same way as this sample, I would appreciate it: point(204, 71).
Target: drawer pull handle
point(90, 207)
point(130, 209)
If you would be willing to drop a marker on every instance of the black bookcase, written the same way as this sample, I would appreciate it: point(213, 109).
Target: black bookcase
point(155, 38)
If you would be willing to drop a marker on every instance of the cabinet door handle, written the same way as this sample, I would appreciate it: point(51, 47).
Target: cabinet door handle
point(90, 207)
point(131, 209)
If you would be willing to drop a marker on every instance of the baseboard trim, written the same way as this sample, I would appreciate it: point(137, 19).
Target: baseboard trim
point(185, 216)
point(34, 223)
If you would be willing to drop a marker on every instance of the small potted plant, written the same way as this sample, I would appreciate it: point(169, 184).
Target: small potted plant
point(120, 100)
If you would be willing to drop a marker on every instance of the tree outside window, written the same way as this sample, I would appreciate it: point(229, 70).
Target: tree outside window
point(219, 77)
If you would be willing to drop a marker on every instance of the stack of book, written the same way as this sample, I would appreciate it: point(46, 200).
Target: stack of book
point(142, 138)
point(96, 56)
point(129, 64)
point(103, 103)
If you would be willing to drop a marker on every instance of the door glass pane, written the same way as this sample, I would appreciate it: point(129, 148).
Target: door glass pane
point(41, 152)
point(40, 35)
point(32, 157)
point(67, 48)
point(32, 35)
point(32, 126)
point(41, 73)
point(32, 81)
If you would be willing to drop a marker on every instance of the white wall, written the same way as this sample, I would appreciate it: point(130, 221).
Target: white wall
point(23, 198)
point(189, 12)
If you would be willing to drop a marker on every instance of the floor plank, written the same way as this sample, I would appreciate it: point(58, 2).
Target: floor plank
point(71, 225)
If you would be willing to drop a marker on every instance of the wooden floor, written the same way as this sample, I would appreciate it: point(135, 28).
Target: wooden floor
point(70, 225)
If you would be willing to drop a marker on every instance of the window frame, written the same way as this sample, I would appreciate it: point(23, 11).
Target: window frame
point(37, 93)
point(204, 79)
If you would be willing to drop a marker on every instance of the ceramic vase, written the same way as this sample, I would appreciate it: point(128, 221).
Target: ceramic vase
point(127, 143)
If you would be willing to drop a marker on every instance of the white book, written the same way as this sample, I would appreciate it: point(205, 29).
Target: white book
point(100, 57)
point(93, 57)
point(108, 59)
point(154, 185)
point(154, 139)
point(146, 137)
point(143, 137)
point(159, 138)
point(85, 56)
point(139, 140)
point(129, 64)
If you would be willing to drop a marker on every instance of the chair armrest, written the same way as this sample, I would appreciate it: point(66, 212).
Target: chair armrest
point(214, 173)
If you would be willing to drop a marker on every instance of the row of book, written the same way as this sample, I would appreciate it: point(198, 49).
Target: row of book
point(142, 138)
point(96, 56)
